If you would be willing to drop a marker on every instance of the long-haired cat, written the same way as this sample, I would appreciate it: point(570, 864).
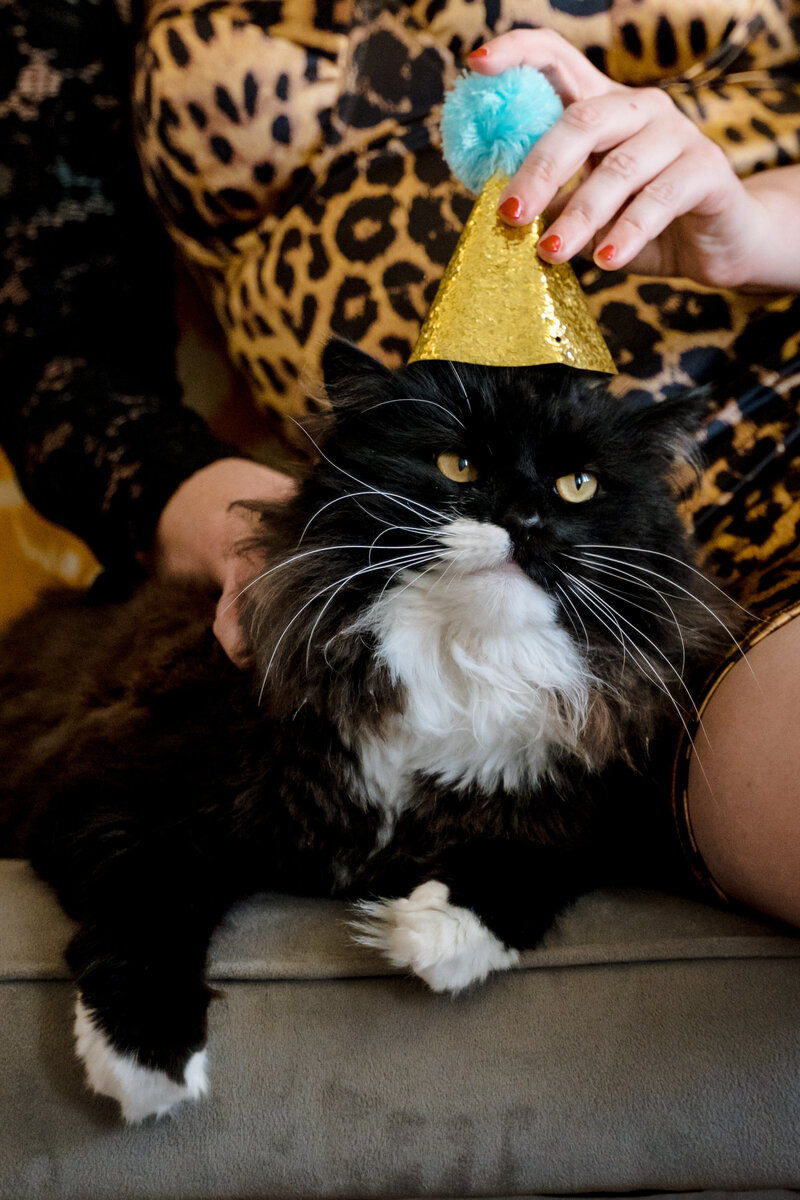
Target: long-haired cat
point(469, 625)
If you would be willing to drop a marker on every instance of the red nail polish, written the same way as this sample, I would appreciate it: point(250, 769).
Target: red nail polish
point(481, 52)
point(511, 208)
point(607, 253)
point(551, 244)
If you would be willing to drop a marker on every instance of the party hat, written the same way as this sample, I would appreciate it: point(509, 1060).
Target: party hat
point(498, 303)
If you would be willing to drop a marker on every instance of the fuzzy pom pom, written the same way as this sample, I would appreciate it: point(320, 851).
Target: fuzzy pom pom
point(490, 122)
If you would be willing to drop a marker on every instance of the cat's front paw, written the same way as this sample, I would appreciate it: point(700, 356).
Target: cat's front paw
point(446, 945)
point(141, 1092)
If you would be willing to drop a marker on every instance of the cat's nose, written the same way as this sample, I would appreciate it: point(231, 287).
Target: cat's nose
point(520, 523)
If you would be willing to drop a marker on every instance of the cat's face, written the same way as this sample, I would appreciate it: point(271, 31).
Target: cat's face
point(526, 498)
point(528, 467)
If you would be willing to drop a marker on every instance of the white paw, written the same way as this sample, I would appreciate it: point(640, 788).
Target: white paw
point(442, 943)
point(140, 1091)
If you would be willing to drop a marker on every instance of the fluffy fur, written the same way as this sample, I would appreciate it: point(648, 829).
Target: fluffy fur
point(491, 123)
point(455, 686)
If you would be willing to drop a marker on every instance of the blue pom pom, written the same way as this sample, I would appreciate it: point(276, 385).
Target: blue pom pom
point(490, 122)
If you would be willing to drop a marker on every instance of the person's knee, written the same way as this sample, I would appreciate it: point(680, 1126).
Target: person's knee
point(744, 781)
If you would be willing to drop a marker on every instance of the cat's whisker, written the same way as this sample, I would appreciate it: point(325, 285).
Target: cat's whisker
point(616, 574)
point(403, 501)
point(415, 400)
point(687, 591)
point(562, 592)
point(612, 612)
point(393, 529)
point(681, 562)
point(700, 726)
point(301, 610)
point(287, 562)
point(454, 555)
point(627, 598)
point(338, 500)
point(618, 616)
point(432, 527)
point(343, 583)
point(581, 593)
point(650, 673)
point(414, 578)
point(460, 383)
point(592, 602)
point(439, 556)
point(637, 581)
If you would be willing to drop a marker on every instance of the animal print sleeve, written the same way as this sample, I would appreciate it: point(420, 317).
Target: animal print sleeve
point(90, 410)
point(232, 101)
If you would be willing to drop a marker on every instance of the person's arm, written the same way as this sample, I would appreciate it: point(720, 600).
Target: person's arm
point(657, 195)
point(199, 529)
point(90, 406)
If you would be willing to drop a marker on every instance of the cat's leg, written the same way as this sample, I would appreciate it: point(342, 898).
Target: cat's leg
point(140, 1015)
point(476, 910)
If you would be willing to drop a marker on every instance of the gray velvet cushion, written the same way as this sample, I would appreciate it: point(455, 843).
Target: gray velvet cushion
point(651, 1043)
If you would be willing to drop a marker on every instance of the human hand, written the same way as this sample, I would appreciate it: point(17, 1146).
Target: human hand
point(656, 195)
point(198, 532)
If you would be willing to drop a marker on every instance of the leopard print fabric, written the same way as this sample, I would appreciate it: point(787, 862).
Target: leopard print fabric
point(91, 416)
point(293, 151)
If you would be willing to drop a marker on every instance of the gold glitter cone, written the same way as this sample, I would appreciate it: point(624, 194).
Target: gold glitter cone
point(500, 305)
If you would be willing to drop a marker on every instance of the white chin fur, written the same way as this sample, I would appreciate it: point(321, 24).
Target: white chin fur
point(493, 683)
point(442, 943)
point(141, 1092)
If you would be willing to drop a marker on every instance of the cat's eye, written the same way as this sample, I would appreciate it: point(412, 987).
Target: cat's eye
point(578, 487)
point(457, 468)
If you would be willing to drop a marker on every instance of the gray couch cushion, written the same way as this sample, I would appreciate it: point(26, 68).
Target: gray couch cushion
point(290, 937)
point(650, 1044)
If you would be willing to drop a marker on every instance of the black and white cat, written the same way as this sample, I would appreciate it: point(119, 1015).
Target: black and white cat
point(470, 624)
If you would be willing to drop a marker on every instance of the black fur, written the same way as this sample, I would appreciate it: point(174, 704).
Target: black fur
point(153, 784)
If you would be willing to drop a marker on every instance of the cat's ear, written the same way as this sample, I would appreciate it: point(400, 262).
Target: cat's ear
point(670, 427)
point(351, 375)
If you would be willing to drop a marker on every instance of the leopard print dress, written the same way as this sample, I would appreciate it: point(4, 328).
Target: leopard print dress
point(292, 149)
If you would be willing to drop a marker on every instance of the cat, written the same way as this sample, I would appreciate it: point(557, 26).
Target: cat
point(467, 629)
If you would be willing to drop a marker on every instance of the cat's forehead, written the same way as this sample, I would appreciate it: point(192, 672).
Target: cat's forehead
point(510, 414)
point(530, 408)
point(528, 392)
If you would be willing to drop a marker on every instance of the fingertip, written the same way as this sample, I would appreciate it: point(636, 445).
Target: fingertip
point(550, 245)
point(483, 59)
point(511, 210)
point(607, 257)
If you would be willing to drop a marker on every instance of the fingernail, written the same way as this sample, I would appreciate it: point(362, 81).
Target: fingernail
point(551, 244)
point(481, 52)
point(510, 208)
point(606, 253)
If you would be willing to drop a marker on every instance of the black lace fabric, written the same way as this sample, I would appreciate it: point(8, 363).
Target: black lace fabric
point(90, 408)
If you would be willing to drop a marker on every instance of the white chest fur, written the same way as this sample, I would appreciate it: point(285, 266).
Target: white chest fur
point(492, 682)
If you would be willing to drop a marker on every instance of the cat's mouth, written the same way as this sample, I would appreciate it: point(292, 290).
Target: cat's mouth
point(476, 546)
point(481, 549)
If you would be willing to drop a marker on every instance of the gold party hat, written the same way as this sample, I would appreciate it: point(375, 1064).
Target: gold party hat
point(501, 305)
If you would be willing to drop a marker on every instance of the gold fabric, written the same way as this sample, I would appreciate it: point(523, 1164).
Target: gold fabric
point(501, 305)
point(36, 554)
